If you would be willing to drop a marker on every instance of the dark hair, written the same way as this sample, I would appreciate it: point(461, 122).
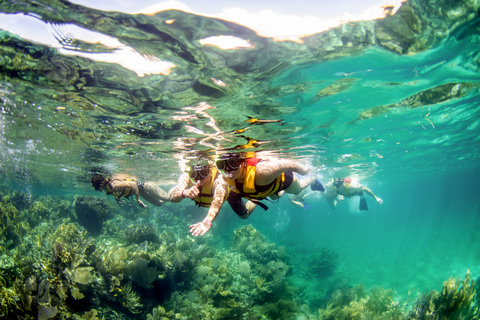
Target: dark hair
point(98, 182)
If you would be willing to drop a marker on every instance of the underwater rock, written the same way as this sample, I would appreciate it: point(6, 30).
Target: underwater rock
point(138, 233)
point(92, 212)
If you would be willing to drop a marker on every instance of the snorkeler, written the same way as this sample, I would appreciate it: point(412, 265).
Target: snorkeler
point(125, 186)
point(298, 200)
point(256, 179)
point(339, 188)
point(204, 185)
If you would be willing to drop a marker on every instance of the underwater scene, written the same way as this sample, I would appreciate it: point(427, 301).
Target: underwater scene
point(111, 119)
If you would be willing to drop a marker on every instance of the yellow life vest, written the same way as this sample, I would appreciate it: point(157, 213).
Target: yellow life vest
point(248, 189)
point(126, 192)
point(205, 198)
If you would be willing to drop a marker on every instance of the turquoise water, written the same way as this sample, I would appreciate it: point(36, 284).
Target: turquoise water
point(405, 124)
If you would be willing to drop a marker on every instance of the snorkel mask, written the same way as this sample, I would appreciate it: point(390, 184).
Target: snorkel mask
point(228, 163)
point(337, 183)
point(199, 172)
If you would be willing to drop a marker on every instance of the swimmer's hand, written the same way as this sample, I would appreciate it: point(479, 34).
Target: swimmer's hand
point(340, 197)
point(192, 192)
point(380, 201)
point(141, 204)
point(118, 200)
point(199, 228)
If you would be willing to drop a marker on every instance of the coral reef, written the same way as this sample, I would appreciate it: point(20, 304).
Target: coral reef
point(322, 262)
point(158, 272)
point(92, 212)
point(454, 302)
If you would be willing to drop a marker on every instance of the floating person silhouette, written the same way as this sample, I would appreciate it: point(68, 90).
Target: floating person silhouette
point(126, 186)
point(338, 189)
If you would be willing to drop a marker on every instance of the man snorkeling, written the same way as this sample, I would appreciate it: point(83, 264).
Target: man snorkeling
point(204, 185)
point(125, 186)
point(339, 188)
point(257, 179)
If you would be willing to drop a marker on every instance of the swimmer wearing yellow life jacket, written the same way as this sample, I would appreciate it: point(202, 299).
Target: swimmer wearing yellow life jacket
point(119, 186)
point(204, 185)
point(126, 186)
point(257, 179)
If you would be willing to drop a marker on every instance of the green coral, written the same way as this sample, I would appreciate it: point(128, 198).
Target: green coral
point(456, 301)
point(137, 233)
point(92, 212)
point(12, 228)
point(131, 300)
point(322, 263)
point(11, 306)
point(184, 277)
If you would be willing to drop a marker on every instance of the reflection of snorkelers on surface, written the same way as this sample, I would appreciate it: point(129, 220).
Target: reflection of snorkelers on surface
point(339, 188)
point(126, 186)
point(260, 122)
point(201, 110)
point(256, 179)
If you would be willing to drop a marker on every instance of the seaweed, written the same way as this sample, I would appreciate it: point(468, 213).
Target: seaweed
point(166, 274)
point(456, 301)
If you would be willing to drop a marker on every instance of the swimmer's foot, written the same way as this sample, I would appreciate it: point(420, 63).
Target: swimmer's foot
point(317, 186)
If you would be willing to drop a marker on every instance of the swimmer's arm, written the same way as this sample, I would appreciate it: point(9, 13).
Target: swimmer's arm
point(267, 171)
point(368, 191)
point(182, 184)
point(219, 193)
point(118, 185)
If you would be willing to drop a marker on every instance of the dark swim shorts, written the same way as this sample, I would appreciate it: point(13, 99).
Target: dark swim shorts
point(237, 204)
point(288, 180)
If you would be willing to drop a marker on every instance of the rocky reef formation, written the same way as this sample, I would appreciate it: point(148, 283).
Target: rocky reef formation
point(137, 273)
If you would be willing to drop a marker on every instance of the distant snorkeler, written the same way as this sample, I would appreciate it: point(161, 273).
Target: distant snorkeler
point(299, 200)
point(339, 188)
point(126, 186)
point(256, 179)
